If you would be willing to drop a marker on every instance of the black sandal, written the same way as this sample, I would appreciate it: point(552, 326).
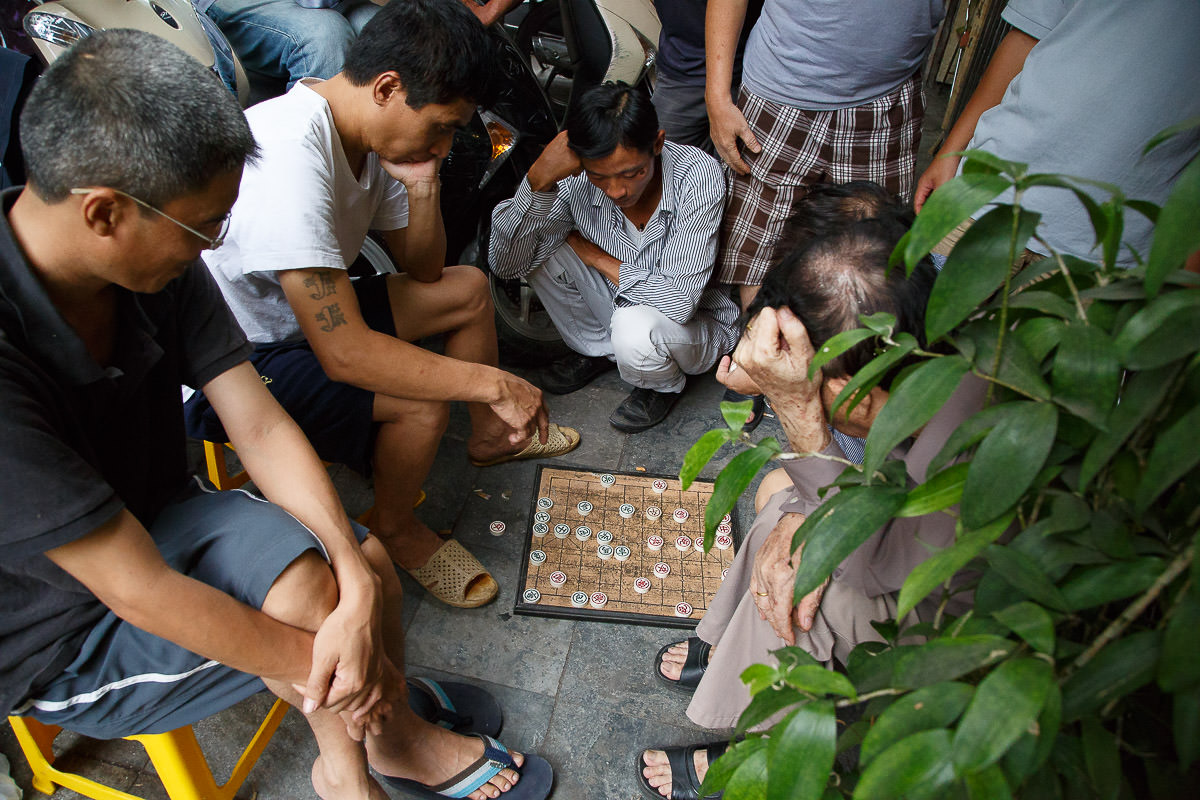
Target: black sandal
point(693, 666)
point(685, 783)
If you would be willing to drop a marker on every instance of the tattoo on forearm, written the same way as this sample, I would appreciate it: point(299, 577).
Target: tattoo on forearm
point(331, 317)
point(322, 284)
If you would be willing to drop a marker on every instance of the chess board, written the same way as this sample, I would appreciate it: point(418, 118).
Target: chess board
point(694, 576)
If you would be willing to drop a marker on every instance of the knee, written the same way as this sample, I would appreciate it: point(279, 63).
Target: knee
point(474, 288)
point(322, 43)
point(632, 331)
point(774, 481)
point(424, 414)
point(304, 594)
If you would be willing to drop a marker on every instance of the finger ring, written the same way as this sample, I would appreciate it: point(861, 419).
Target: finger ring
point(762, 594)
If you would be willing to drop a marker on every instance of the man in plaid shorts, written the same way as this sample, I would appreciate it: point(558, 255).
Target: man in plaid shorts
point(830, 93)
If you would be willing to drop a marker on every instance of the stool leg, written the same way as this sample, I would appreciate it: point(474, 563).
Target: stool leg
point(37, 743)
point(180, 764)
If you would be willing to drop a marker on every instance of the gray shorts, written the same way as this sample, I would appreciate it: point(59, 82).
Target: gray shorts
point(126, 681)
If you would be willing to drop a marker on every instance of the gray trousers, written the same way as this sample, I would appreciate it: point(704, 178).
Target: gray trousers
point(651, 350)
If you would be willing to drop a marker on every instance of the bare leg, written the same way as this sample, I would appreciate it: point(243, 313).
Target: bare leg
point(460, 306)
point(774, 481)
point(303, 595)
point(405, 447)
point(746, 294)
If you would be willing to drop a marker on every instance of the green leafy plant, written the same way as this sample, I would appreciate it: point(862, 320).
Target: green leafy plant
point(1077, 672)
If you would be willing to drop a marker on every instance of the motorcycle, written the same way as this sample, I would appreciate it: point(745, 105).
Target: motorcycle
point(586, 41)
point(55, 26)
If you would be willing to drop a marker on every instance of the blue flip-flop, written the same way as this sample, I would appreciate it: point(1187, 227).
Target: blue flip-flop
point(459, 707)
point(537, 777)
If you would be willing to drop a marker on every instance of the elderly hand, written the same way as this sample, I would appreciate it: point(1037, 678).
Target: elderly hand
point(774, 579)
point(775, 352)
point(730, 375)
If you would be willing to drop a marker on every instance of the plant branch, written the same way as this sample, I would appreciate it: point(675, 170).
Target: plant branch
point(1133, 611)
point(1005, 384)
point(1012, 259)
point(790, 456)
point(862, 698)
point(1062, 266)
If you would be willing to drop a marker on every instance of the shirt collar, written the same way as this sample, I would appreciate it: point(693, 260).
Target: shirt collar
point(30, 319)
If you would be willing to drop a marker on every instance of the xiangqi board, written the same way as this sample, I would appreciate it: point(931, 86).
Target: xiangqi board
point(620, 547)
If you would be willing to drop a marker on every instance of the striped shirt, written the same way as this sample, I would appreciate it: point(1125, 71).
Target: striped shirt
point(671, 269)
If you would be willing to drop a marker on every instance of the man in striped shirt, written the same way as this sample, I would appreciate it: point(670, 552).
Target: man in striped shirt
point(616, 230)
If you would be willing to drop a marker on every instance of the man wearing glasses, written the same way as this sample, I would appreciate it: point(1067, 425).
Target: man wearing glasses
point(132, 598)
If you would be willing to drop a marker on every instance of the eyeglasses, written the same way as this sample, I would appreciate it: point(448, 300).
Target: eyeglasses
point(211, 242)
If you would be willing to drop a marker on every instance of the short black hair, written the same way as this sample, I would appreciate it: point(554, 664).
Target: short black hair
point(609, 115)
point(842, 274)
point(131, 111)
point(440, 50)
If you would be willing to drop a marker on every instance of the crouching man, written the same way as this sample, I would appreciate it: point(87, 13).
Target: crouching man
point(616, 229)
point(132, 600)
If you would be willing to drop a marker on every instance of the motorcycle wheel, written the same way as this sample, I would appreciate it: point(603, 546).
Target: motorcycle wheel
point(526, 334)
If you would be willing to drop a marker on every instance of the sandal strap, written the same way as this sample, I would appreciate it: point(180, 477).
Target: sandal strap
point(556, 443)
point(444, 712)
point(696, 662)
point(495, 758)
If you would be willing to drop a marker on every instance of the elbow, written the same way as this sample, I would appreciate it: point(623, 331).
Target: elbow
point(339, 364)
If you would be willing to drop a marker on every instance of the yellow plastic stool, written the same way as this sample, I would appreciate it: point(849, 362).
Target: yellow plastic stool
point(176, 756)
point(218, 473)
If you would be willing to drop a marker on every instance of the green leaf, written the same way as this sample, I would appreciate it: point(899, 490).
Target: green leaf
point(1179, 669)
point(721, 770)
point(1031, 750)
point(818, 680)
point(749, 782)
point(911, 405)
point(977, 266)
point(1045, 302)
point(1177, 234)
point(838, 527)
point(1017, 367)
point(732, 483)
point(1007, 461)
point(870, 375)
point(1094, 586)
point(1023, 573)
point(935, 494)
point(1169, 132)
point(1167, 328)
point(934, 706)
point(700, 454)
point(946, 659)
point(767, 704)
point(1185, 716)
point(1102, 758)
point(1006, 704)
point(870, 665)
point(1086, 373)
point(881, 322)
point(836, 346)
point(1124, 665)
point(983, 161)
point(969, 433)
point(736, 414)
point(1040, 335)
point(1174, 455)
point(1031, 622)
point(950, 204)
point(942, 565)
point(987, 784)
point(1145, 208)
point(800, 757)
point(759, 677)
point(1143, 395)
point(918, 766)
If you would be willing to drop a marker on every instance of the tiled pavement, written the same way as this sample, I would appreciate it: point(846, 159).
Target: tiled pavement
point(582, 694)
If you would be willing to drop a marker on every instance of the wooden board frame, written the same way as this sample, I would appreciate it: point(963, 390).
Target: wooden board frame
point(695, 576)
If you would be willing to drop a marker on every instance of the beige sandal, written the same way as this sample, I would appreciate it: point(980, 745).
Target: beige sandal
point(456, 577)
point(559, 441)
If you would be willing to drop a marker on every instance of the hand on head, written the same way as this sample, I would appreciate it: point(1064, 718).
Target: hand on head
point(557, 161)
point(775, 353)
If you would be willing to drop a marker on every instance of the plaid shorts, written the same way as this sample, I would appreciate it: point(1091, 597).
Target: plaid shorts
point(876, 141)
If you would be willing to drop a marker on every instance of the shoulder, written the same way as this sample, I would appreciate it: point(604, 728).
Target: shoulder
point(692, 172)
point(297, 121)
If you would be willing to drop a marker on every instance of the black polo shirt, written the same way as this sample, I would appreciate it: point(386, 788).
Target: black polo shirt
point(80, 441)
